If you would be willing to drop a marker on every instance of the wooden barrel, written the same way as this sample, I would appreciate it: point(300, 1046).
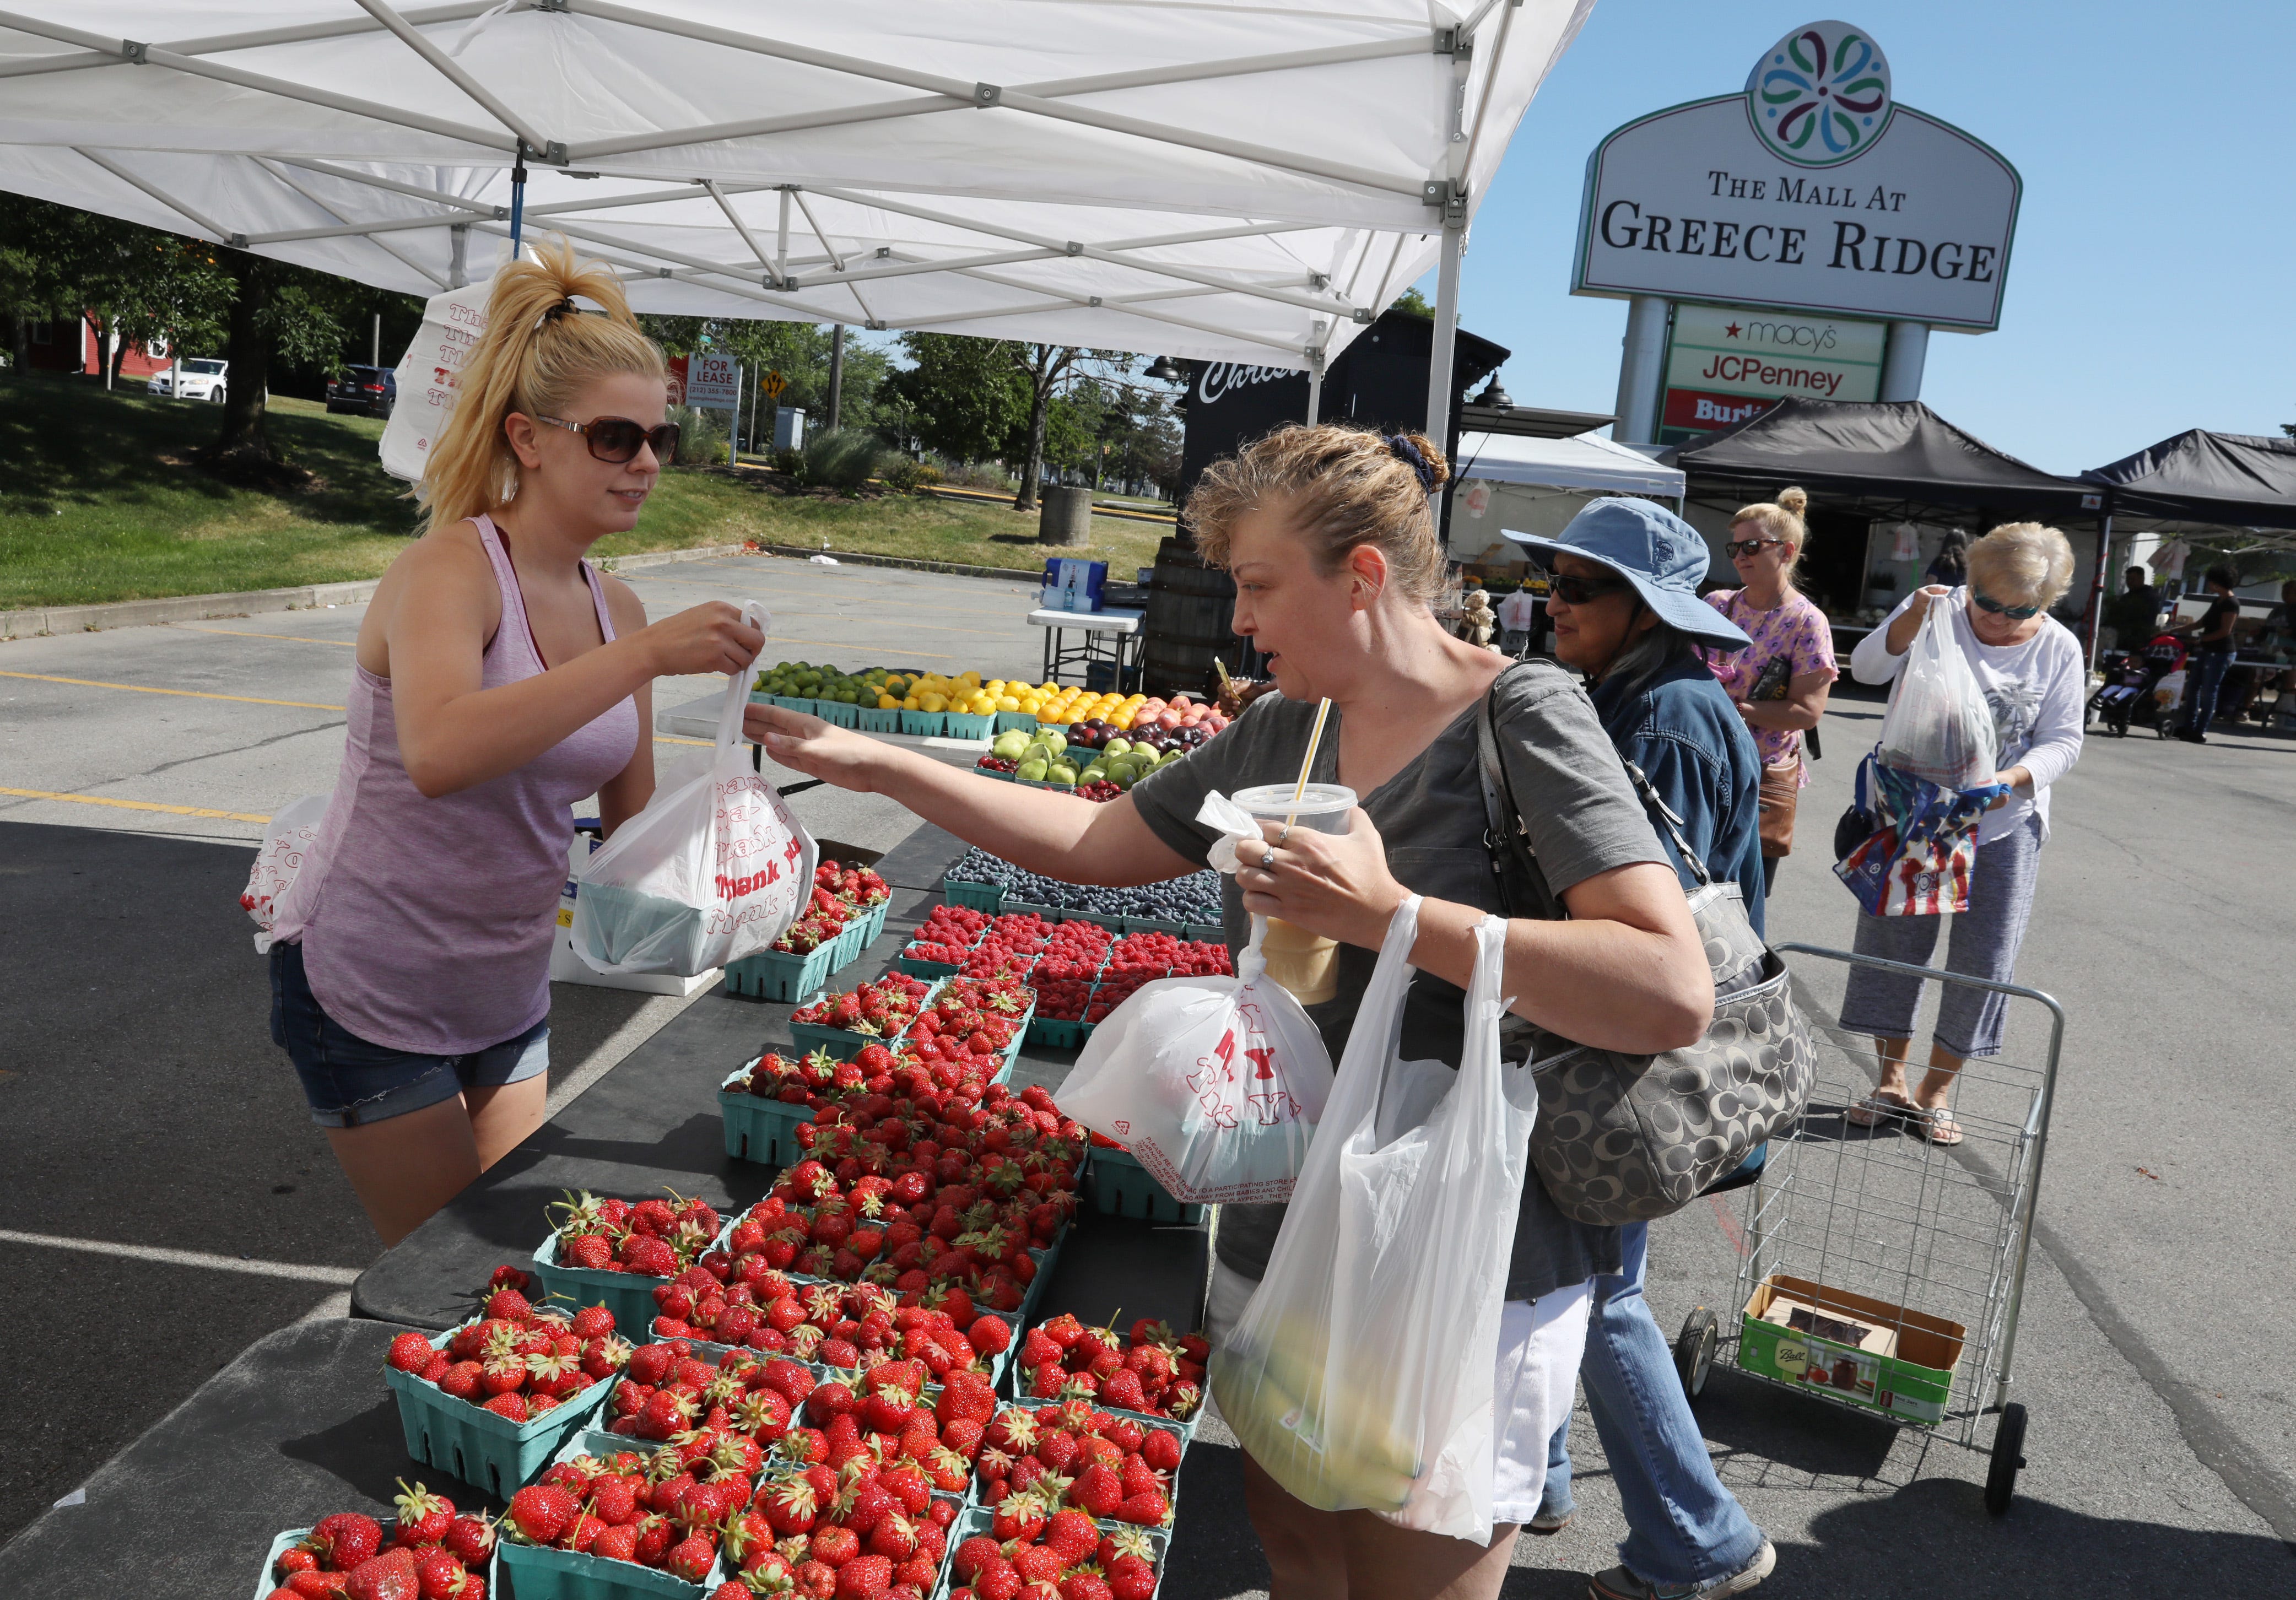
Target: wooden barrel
point(1190, 607)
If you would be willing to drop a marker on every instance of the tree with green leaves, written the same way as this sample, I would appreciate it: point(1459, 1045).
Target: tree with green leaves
point(959, 398)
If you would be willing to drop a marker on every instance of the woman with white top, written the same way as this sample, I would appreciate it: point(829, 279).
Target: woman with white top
point(2032, 671)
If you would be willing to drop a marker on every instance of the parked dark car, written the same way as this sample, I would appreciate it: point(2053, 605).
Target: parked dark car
point(364, 391)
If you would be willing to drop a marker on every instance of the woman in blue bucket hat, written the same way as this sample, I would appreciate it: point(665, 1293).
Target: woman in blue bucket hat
point(1624, 605)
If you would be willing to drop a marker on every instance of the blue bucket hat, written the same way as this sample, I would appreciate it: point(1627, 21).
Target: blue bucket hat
point(1661, 556)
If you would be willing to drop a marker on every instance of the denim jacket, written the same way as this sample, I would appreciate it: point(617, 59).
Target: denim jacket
point(1678, 726)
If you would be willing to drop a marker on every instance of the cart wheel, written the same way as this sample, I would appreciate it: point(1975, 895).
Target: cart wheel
point(1694, 1351)
point(2165, 725)
point(2008, 1456)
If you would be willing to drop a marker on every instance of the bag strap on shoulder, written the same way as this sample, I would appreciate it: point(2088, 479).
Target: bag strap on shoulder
point(1515, 871)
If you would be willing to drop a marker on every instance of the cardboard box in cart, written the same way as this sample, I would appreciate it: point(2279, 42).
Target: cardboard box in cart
point(1865, 1351)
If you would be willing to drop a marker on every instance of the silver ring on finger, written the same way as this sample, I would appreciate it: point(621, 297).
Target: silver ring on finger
point(1267, 861)
point(1283, 832)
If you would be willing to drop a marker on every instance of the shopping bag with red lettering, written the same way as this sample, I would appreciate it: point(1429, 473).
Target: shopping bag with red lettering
point(1215, 1085)
point(715, 868)
point(287, 839)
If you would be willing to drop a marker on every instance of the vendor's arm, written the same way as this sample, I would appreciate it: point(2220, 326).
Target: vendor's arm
point(1039, 829)
point(1626, 971)
point(624, 794)
point(453, 735)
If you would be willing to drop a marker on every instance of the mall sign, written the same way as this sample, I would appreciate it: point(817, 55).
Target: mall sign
point(1725, 363)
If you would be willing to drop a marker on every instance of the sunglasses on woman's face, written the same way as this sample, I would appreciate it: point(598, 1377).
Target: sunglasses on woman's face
point(2015, 613)
point(1738, 547)
point(616, 439)
point(1573, 590)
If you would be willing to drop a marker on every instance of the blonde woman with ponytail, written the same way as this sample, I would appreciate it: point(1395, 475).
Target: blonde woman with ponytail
point(500, 679)
point(1780, 682)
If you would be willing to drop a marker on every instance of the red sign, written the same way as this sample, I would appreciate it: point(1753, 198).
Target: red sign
point(1703, 413)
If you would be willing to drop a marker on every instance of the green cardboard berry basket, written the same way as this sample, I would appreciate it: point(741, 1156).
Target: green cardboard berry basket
point(759, 1131)
point(1011, 1394)
point(295, 1535)
point(924, 725)
point(998, 773)
point(972, 897)
point(978, 1519)
point(486, 1451)
point(969, 725)
point(838, 713)
point(1206, 933)
point(1026, 721)
point(876, 721)
point(628, 1296)
point(1149, 924)
point(540, 1573)
point(782, 975)
point(917, 966)
point(1122, 1187)
point(1057, 1033)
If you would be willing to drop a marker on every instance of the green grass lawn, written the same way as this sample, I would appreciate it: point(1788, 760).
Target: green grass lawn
point(99, 501)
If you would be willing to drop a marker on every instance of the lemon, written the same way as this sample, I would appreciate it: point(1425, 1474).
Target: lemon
point(1005, 703)
point(912, 704)
point(886, 702)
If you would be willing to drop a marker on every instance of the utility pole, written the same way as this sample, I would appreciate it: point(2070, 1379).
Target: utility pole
point(374, 356)
point(836, 374)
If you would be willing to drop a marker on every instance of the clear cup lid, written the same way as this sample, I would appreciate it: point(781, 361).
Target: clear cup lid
point(1275, 800)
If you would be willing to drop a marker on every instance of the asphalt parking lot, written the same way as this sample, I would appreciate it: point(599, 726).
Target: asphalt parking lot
point(142, 1106)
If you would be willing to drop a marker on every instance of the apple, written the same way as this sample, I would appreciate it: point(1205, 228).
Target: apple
point(1167, 719)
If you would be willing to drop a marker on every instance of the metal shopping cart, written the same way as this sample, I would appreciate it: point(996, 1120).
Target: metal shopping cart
point(1883, 1273)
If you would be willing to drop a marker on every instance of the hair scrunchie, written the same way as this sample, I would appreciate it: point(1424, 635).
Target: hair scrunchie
point(563, 308)
point(1409, 454)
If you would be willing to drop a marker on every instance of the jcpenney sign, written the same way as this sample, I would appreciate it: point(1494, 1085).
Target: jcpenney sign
point(1811, 190)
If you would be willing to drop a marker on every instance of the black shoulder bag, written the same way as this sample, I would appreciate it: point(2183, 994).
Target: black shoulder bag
point(1629, 1139)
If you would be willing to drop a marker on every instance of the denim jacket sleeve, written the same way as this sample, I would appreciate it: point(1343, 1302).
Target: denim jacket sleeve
point(1719, 816)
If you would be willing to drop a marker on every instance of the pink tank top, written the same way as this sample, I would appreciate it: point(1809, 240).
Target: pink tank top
point(430, 924)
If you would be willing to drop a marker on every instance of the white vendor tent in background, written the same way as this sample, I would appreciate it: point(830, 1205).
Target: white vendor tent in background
point(1237, 180)
point(1537, 485)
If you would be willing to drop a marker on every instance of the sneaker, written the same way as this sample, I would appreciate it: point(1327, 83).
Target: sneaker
point(1619, 1584)
point(1550, 1522)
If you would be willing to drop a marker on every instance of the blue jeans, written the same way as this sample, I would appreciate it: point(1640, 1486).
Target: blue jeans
point(2208, 667)
point(1682, 1525)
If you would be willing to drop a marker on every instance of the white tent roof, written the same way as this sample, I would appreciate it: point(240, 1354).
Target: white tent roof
point(1584, 462)
point(1246, 180)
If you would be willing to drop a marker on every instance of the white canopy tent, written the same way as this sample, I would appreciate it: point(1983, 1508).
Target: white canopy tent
point(1537, 485)
point(1240, 180)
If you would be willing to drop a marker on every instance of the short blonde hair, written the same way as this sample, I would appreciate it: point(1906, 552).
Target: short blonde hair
point(1343, 488)
point(2033, 561)
point(537, 354)
point(1780, 519)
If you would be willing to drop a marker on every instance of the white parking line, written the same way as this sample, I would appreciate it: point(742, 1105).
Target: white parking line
point(342, 1277)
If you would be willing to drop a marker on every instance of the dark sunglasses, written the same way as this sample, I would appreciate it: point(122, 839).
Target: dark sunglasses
point(1578, 591)
point(1738, 547)
point(2015, 613)
point(616, 439)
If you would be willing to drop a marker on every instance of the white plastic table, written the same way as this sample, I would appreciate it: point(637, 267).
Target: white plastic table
point(1109, 637)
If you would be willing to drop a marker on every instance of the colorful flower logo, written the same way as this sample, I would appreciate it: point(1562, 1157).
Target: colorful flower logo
point(1820, 96)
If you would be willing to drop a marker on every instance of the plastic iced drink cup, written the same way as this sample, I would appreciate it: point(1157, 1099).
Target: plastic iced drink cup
point(1304, 963)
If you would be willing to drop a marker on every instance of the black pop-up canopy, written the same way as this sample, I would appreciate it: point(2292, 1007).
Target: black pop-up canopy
point(1898, 451)
point(2212, 480)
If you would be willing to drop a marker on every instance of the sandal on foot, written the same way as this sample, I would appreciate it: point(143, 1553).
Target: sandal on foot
point(1938, 1127)
point(1883, 1105)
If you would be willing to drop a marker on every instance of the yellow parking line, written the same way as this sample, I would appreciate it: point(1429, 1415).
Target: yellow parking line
point(129, 805)
point(248, 699)
point(249, 633)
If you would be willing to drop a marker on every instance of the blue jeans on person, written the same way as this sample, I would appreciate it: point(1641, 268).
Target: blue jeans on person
point(2209, 667)
point(1682, 1525)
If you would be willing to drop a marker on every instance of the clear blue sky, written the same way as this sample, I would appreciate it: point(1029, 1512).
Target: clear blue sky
point(2150, 288)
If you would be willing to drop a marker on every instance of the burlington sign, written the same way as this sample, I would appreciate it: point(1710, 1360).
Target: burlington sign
point(1810, 190)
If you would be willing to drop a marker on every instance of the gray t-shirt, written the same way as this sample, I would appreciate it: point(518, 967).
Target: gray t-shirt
point(1583, 817)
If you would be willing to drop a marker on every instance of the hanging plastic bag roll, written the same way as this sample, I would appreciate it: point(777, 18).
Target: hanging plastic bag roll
point(1361, 1376)
point(1215, 1085)
point(1938, 727)
point(715, 868)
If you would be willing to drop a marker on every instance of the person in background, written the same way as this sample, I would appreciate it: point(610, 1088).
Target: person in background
point(1950, 565)
point(2035, 678)
point(1519, 617)
point(1779, 681)
point(2134, 614)
point(2212, 652)
point(1623, 598)
point(500, 679)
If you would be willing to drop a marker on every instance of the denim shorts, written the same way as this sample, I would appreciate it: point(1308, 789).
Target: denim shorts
point(350, 1083)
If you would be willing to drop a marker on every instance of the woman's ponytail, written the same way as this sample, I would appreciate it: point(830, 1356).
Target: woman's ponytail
point(539, 350)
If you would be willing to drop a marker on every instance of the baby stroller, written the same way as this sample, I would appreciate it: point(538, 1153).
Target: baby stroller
point(2136, 687)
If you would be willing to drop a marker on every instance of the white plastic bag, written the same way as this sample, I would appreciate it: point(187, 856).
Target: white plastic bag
point(287, 840)
point(1215, 1085)
point(431, 376)
point(715, 868)
point(1939, 726)
point(1361, 1376)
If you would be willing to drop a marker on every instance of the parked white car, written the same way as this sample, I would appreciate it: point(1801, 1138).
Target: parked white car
point(203, 380)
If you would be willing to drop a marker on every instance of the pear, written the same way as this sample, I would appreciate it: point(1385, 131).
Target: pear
point(1030, 771)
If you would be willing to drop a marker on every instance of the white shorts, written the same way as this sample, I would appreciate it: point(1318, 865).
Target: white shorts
point(1541, 1343)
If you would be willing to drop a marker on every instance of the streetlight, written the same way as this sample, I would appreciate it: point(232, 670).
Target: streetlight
point(1494, 395)
point(1163, 372)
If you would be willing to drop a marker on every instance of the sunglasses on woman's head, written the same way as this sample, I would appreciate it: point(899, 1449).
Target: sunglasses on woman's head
point(1573, 590)
point(616, 439)
point(1738, 547)
point(2015, 613)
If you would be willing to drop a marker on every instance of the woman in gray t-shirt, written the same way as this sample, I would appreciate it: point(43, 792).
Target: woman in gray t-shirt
point(1328, 534)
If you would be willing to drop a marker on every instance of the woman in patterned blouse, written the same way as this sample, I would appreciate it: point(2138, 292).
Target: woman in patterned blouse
point(1778, 702)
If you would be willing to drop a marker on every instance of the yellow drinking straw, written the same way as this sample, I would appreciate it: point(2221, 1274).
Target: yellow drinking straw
point(1315, 738)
